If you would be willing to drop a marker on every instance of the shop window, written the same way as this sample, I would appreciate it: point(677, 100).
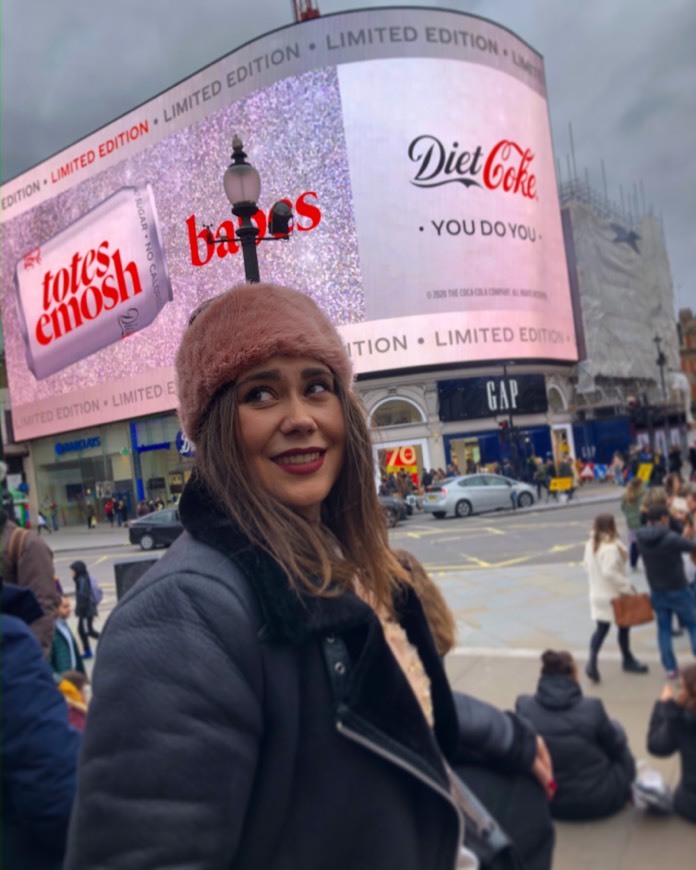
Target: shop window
point(396, 412)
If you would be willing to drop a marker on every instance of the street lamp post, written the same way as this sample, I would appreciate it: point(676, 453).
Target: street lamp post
point(512, 432)
point(242, 184)
point(661, 362)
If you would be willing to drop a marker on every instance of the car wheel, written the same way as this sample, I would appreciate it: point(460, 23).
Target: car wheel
point(147, 542)
point(524, 499)
point(463, 508)
point(439, 515)
point(390, 517)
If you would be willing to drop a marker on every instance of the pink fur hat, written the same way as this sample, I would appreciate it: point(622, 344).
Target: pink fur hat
point(240, 329)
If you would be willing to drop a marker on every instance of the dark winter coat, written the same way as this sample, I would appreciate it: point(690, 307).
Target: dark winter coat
point(85, 605)
point(39, 748)
point(662, 550)
point(276, 729)
point(673, 729)
point(32, 569)
point(592, 764)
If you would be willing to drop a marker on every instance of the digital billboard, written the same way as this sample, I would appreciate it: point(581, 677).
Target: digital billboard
point(415, 149)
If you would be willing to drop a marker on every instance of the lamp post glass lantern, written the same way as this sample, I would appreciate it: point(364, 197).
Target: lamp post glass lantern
point(242, 185)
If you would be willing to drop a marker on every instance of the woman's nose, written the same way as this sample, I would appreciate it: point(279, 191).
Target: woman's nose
point(297, 417)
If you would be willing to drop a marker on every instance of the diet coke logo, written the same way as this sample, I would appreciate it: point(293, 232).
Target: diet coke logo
point(92, 281)
point(505, 167)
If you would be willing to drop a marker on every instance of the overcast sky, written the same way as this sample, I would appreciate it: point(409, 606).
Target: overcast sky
point(623, 72)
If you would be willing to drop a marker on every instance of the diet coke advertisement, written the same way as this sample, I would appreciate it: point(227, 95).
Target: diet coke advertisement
point(96, 282)
point(464, 169)
point(426, 217)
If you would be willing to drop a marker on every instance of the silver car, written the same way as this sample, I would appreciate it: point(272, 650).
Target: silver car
point(475, 493)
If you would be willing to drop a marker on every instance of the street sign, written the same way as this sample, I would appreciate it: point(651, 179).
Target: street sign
point(645, 471)
point(560, 484)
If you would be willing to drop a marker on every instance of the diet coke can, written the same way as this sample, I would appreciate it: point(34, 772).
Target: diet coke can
point(99, 280)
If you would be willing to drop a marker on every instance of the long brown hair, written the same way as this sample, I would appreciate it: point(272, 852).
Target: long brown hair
point(687, 694)
point(351, 512)
point(440, 619)
point(604, 527)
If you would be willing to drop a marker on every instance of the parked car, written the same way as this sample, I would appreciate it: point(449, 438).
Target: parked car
point(158, 529)
point(394, 509)
point(475, 493)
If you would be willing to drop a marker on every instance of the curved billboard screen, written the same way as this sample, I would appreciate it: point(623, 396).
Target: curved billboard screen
point(414, 147)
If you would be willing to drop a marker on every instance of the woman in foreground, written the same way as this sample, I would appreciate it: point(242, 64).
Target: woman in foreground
point(269, 695)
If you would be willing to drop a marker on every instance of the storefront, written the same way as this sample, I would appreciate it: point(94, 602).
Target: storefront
point(493, 447)
point(162, 458)
point(399, 445)
point(76, 470)
point(145, 459)
point(502, 421)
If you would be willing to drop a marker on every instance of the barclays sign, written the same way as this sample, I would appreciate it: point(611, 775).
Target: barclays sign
point(75, 446)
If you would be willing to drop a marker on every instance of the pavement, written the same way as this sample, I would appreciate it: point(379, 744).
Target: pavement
point(506, 616)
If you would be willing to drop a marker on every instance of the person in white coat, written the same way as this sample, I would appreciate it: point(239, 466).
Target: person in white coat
point(605, 560)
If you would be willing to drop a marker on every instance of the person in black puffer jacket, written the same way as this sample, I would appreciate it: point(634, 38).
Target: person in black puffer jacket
point(673, 729)
point(592, 763)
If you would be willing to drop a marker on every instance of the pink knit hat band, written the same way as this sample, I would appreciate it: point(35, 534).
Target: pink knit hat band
point(240, 329)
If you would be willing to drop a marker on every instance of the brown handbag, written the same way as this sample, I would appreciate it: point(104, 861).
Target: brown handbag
point(632, 610)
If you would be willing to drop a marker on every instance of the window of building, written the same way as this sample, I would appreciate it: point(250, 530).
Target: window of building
point(396, 412)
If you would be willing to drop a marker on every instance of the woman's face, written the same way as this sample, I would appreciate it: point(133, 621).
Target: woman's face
point(292, 427)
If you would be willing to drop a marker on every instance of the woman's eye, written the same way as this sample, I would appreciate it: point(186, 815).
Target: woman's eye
point(258, 394)
point(319, 387)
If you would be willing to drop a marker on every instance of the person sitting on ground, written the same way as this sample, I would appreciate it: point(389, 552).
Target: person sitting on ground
point(673, 729)
point(65, 653)
point(73, 686)
point(592, 763)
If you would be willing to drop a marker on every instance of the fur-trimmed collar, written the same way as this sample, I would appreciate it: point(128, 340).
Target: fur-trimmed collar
point(289, 615)
point(294, 617)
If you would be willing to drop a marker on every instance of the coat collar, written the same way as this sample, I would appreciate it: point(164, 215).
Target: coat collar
point(288, 615)
point(295, 617)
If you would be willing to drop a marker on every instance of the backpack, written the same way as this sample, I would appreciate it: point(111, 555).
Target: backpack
point(97, 591)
